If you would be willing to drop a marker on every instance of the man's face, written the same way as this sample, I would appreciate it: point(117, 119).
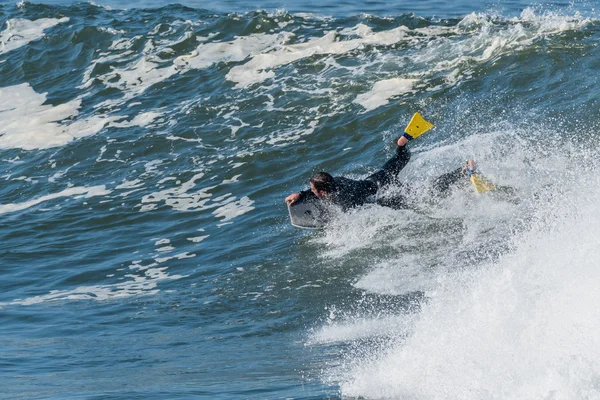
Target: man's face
point(319, 193)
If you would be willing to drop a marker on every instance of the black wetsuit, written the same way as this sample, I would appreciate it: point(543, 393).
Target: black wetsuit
point(350, 193)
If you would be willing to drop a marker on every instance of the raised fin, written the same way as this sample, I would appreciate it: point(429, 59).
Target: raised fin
point(481, 184)
point(417, 126)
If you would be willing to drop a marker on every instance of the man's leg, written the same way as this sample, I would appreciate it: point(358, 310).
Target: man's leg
point(444, 183)
point(397, 200)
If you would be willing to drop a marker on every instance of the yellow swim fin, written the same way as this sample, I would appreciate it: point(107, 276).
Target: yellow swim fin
point(417, 126)
point(481, 184)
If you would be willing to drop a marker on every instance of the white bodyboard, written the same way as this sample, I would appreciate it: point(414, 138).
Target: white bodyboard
point(308, 214)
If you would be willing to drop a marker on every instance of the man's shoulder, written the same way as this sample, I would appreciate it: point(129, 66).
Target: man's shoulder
point(341, 180)
point(344, 184)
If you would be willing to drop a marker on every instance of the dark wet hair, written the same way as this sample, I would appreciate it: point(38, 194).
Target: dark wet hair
point(323, 181)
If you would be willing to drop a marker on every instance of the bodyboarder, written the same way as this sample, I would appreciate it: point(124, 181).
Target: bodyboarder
point(349, 193)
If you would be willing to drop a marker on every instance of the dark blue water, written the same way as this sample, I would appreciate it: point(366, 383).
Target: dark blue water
point(146, 149)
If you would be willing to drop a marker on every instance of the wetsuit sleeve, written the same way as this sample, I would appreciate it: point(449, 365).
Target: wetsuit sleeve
point(392, 167)
point(306, 195)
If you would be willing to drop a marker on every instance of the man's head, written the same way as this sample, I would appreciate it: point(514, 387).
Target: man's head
point(322, 185)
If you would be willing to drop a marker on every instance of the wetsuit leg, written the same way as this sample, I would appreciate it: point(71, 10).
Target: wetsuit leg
point(392, 167)
point(444, 183)
point(396, 201)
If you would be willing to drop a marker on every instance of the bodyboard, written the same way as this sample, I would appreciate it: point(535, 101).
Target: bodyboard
point(308, 213)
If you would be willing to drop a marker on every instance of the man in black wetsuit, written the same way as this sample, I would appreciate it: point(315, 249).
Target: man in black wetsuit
point(349, 193)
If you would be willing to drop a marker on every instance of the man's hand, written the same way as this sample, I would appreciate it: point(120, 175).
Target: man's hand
point(402, 141)
point(292, 198)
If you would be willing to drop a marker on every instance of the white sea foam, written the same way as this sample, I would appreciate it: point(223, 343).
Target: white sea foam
point(488, 41)
point(261, 66)
point(136, 78)
point(182, 197)
point(147, 70)
point(138, 285)
point(197, 239)
point(30, 124)
point(239, 49)
point(20, 31)
point(232, 180)
point(178, 197)
point(383, 90)
point(482, 40)
point(57, 176)
point(143, 119)
point(550, 23)
point(112, 31)
point(141, 73)
point(180, 256)
point(134, 184)
point(108, 8)
point(78, 191)
point(293, 134)
point(234, 208)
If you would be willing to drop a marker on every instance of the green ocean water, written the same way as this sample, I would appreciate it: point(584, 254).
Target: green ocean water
point(146, 252)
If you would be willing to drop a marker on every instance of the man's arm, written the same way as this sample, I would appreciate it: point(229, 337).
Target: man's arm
point(295, 197)
point(390, 170)
point(292, 198)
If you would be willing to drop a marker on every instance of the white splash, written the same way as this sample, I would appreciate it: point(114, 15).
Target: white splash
point(397, 278)
point(522, 326)
point(362, 328)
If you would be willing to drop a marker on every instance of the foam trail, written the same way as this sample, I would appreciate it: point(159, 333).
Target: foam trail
point(139, 285)
point(20, 31)
point(87, 192)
